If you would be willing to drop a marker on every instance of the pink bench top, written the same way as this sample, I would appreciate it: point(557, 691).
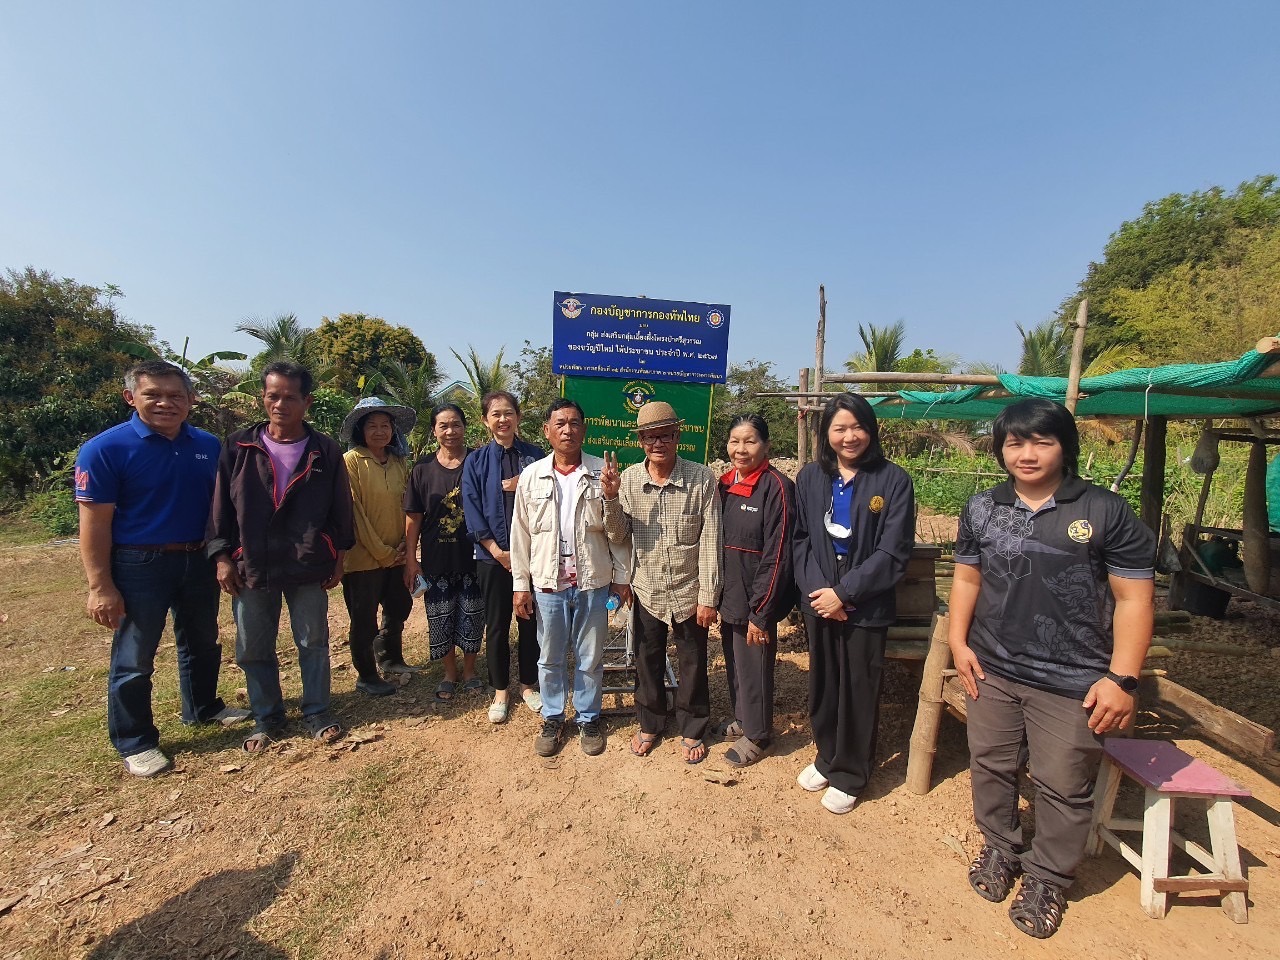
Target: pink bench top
point(1163, 767)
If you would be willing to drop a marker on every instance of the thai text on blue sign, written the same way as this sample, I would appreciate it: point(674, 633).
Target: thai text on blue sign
point(599, 336)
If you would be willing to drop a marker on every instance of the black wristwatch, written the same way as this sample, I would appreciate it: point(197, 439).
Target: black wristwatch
point(1127, 684)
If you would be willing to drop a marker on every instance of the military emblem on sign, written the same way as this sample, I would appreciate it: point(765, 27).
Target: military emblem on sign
point(876, 504)
point(571, 307)
point(636, 394)
point(1080, 531)
point(714, 319)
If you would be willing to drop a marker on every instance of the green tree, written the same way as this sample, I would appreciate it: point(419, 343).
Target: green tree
point(536, 386)
point(354, 345)
point(1046, 349)
point(63, 352)
point(413, 387)
point(483, 376)
point(283, 337)
point(881, 348)
point(1193, 230)
point(740, 394)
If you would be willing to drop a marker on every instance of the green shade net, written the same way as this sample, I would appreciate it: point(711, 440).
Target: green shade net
point(1233, 388)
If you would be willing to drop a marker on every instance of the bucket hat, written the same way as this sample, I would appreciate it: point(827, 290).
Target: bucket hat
point(403, 418)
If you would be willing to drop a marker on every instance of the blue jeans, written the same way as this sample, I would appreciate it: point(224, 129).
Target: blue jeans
point(152, 583)
point(581, 618)
point(257, 615)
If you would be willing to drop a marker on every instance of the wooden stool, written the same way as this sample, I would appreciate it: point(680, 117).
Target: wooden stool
point(1168, 774)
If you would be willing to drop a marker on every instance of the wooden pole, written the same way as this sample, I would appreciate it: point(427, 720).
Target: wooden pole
point(1077, 356)
point(820, 347)
point(924, 736)
point(1153, 460)
point(802, 422)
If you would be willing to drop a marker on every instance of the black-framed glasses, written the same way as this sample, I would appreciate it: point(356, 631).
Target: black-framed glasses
point(653, 440)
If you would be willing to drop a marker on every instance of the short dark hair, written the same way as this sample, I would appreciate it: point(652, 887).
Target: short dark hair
point(559, 403)
point(1036, 416)
point(153, 369)
point(493, 395)
point(753, 420)
point(291, 371)
point(440, 408)
point(866, 418)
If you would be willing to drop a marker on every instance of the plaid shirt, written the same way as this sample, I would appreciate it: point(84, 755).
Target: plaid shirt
point(675, 534)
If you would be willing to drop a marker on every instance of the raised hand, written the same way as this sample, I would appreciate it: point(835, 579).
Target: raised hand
point(610, 477)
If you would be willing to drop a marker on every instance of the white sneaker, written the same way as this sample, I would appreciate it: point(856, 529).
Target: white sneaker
point(148, 763)
point(498, 711)
point(811, 780)
point(837, 801)
point(533, 700)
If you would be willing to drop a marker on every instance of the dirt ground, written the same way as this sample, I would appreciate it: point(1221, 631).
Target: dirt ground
point(427, 832)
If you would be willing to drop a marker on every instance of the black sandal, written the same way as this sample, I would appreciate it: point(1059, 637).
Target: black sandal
point(1037, 909)
point(992, 874)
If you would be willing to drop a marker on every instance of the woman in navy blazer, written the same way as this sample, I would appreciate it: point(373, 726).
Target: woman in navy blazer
point(488, 496)
point(855, 528)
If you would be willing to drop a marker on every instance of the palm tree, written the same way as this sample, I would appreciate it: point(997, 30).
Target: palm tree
point(283, 338)
point(1046, 350)
point(484, 376)
point(882, 348)
point(412, 387)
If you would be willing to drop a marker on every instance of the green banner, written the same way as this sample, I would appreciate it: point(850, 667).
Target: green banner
point(611, 403)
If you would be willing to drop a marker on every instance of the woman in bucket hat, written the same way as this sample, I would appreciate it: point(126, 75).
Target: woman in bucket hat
point(373, 570)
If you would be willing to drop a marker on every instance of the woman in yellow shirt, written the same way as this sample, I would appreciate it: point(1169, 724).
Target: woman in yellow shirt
point(373, 571)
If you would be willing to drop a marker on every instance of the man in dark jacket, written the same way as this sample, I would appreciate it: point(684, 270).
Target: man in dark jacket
point(280, 524)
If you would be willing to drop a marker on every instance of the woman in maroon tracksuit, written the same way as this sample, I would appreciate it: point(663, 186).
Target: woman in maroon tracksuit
point(758, 505)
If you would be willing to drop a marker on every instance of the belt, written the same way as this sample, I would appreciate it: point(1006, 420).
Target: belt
point(191, 546)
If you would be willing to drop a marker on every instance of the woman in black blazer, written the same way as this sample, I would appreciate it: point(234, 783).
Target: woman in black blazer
point(855, 528)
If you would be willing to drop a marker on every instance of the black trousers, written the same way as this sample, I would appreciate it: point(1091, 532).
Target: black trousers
point(495, 587)
point(364, 592)
point(750, 674)
point(693, 695)
point(846, 664)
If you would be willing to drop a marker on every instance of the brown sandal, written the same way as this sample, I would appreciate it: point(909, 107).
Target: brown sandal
point(693, 751)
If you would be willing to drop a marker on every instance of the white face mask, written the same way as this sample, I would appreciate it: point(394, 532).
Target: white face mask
point(833, 528)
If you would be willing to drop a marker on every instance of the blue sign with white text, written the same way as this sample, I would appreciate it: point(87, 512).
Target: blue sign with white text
point(597, 336)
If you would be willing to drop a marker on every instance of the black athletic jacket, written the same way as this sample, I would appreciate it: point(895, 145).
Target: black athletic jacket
point(758, 517)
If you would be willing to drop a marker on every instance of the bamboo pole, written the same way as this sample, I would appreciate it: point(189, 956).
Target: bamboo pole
point(820, 346)
point(1077, 356)
point(802, 422)
point(924, 735)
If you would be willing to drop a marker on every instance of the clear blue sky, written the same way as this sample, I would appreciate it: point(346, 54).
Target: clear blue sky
point(448, 166)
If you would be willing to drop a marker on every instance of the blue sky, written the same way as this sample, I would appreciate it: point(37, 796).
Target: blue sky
point(448, 166)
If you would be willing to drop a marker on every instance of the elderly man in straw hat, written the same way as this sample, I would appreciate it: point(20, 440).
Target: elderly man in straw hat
point(671, 509)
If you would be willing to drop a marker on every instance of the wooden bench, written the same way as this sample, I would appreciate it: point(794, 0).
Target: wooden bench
point(1167, 774)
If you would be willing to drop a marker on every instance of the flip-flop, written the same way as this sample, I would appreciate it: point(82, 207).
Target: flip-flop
point(693, 751)
point(444, 690)
point(474, 685)
point(642, 744)
point(322, 727)
point(745, 752)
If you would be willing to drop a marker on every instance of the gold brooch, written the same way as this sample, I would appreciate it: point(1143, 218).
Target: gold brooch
point(876, 504)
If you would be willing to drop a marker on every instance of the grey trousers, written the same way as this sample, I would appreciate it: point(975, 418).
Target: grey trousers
point(1064, 756)
point(750, 674)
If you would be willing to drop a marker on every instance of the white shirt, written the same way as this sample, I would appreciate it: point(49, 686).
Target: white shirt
point(568, 568)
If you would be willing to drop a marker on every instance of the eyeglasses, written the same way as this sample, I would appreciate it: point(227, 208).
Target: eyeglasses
point(653, 439)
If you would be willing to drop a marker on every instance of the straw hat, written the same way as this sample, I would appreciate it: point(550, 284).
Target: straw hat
point(655, 414)
point(402, 417)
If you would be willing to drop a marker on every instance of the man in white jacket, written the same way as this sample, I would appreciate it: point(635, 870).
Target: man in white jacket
point(563, 568)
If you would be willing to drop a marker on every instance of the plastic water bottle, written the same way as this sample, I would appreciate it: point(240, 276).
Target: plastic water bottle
point(613, 603)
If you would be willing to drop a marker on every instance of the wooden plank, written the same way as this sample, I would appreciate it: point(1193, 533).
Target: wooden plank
point(1203, 881)
point(1218, 724)
point(1161, 766)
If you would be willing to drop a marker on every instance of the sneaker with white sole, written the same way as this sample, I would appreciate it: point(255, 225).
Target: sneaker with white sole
point(837, 801)
point(811, 780)
point(148, 763)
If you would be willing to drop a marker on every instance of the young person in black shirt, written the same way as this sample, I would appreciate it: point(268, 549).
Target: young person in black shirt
point(1050, 620)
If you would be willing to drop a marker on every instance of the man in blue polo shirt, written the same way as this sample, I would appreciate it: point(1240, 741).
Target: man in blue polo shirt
point(144, 488)
point(1050, 620)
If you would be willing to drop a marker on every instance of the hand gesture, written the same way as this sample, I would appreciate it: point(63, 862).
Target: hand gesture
point(610, 477)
